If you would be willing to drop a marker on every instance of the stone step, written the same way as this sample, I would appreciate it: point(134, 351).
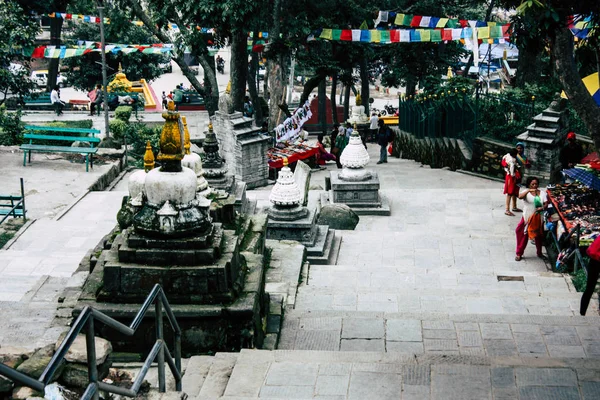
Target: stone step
point(218, 376)
point(327, 252)
point(152, 374)
point(195, 374)
point(378, 375)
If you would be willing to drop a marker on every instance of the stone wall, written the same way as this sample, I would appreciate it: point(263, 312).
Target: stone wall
point(487, 156)
point(437, 153)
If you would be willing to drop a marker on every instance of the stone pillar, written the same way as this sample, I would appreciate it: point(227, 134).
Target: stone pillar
point(543, 140)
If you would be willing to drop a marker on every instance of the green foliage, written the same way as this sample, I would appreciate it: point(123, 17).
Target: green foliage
point(579, 280)
point(83, 124)
point(137, 136)
point(18, 31)
point(123, 113)
point(11, 128)
point(118, 128)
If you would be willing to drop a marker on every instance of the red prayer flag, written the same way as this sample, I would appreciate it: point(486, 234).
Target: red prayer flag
point(69, 16)
point(346, 35)
point(38, 52)
point(446, 34)
point(463, 23)
point(505, 30)
point(394, 36)
point(416, 21)
point(97, 20)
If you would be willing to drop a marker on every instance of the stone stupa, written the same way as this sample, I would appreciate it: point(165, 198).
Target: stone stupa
point(290, 220)
point(356, 186)
point(168, 237)
point(193, 162)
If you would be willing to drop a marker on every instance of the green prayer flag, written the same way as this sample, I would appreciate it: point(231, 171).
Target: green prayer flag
point(364, 25)
point(336, 33)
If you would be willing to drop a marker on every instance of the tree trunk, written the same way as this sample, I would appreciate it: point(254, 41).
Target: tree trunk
point(528, 69)
point(323, 106)
point(258, 117)
point(177, 56)
point(411, 86)
point(310, 85)
point(238, 68)
point(334, 81)
point(364, 84)
point(55, 31)
point(347, 102)
point(578, 95)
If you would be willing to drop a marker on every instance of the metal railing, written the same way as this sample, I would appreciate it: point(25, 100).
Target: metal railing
point(19, 205)
point(159, 351)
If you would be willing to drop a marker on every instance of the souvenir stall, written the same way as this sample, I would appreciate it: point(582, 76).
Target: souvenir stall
point(577, 204)
point(290, 144)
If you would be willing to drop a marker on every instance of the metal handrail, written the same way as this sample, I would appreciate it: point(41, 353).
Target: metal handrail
point(20, 204)
point(86, 320)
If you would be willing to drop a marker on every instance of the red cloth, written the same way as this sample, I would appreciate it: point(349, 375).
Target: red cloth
point(510, 185)
point(346, 35)
point(293, 158)
point(39, 52)
point(523, 239)
point(446, 34)
point(594, 250)
point(416, 21)
point(394, 36)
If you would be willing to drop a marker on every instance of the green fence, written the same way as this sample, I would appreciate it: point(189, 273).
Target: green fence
point(463, 116)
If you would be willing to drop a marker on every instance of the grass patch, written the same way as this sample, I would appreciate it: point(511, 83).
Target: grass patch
point(579, 279)
point(5, 237)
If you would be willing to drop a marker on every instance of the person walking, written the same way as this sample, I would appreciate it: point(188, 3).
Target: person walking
point(92, 96)
point(341, 141)
point(522, 164)
point(99, 98)
point(572, 153)
point(165, 100)
point(248, 108)
point(333, 135)
point(511, 190)
point(373, 127)
point(593, 271)
point(382, 141)
point(56, 101)
point(177, 97)
point(531, 226)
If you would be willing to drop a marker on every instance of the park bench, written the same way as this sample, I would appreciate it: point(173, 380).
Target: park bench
point(41, 102)
point(13, 205)
point(58, 136)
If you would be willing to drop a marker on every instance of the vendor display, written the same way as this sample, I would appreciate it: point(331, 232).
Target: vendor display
point(576, 204)
point(293, 152)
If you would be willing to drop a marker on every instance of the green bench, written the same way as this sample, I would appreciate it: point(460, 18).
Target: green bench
point(13, 205)
point(51, 134)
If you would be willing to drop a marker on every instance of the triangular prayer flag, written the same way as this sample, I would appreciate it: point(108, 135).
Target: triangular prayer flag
point(364, 25)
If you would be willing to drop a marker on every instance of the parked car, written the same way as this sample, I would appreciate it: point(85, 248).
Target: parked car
point(165, 65)
point(40, 78)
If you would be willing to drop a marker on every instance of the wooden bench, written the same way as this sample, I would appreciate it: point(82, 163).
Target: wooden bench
point(41, 102)
point(48, 133)
point(13, 205)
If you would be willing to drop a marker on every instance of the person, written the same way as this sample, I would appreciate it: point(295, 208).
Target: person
point(99, 98)
point(92, 96)
point(382, 141)
point(248, 109)
point(373, 127)
point(522, 163)
point(349, 131)
point(571, 153)
point(333, 135)
point(511, 190)
point(165, 100)
point(177, 97)
point(531, 225)
point(170, 95)
point(56, 101)
point(323, 155)
point(220, 64)
point(593, 272)
point(341, 141)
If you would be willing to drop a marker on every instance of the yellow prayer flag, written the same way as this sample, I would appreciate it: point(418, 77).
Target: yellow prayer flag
point(425, 35)
point(442, 23)
point(399, 19)
point(375, 36)
point(483, 32)
point(326, 34)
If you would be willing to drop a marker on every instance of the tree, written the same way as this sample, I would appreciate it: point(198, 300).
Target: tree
point(18, 31)
point(552, 17)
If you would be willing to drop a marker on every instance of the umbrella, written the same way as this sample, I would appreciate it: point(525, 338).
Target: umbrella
point(587, 178)
point(592, 85)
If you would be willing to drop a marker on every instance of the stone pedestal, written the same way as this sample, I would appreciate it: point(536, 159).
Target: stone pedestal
point(243, 148)
point(543, 141)
point(362, 197)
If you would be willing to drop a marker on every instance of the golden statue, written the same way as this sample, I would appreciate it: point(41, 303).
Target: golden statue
point(358, 99)
point(171, 137)
point(186, 137)
point(148, 157)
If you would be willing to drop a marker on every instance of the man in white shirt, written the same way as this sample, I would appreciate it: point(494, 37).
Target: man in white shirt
point(56, 101)
point(373, 127)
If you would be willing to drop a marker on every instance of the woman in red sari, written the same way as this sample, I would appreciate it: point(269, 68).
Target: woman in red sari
point(323, 155)
point(512, 176)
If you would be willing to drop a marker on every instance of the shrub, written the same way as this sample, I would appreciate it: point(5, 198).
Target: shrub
point(11, 129)
point(123, 113)
point(118, 128)
point(137, 136)
point(83, 124)
point(579, 280)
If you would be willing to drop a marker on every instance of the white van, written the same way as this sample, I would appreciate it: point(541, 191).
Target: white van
point(40, 78)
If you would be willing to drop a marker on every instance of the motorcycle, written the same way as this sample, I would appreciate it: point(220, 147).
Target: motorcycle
point(390, 110)
point(221, 66)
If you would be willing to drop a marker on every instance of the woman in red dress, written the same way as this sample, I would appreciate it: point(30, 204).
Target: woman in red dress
point(511, 190)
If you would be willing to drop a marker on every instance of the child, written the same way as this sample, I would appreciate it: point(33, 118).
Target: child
point(164, 100)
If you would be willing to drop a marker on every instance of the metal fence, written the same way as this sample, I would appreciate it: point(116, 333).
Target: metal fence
point(463, 116)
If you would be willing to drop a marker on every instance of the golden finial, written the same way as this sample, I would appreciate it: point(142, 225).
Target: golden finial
point(355, 127)
point(171, 136)
point(148, 157)
point(285, 161)
point(358, 99)
point(210, 127)
point(120, 68)
point(228, 90)
point(186, 136)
